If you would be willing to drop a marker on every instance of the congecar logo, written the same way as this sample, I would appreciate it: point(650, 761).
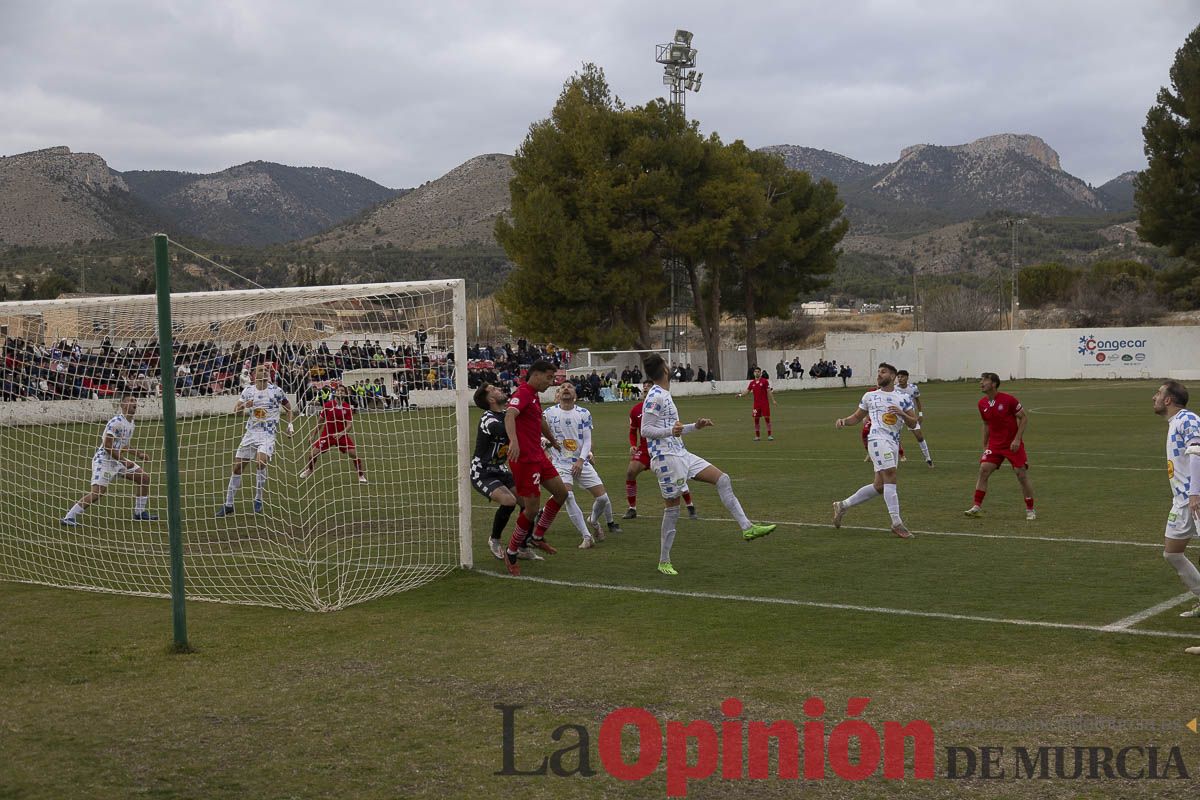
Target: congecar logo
point(1101, 351)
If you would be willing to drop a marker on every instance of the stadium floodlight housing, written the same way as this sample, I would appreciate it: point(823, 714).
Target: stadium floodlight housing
point(683, 37)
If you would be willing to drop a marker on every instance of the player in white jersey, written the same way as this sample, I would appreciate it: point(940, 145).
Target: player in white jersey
point(572, 427)
point(674, 466)
point(262, 403)
point(1183, 473)
point(889, 411)
point(112, 461)
point(914, 393)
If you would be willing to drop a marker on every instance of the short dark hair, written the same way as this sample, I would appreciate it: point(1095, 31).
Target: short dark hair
point(903, 372)
point(991, 376)
point(656, 368)
point(542, 365)
point(887, 366)
point(1177, 392)
point(481, 397)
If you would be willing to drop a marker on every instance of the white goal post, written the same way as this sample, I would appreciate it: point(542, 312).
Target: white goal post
point(387, 503)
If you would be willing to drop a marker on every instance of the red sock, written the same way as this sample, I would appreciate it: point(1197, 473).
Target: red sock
point(520, 532)
point(358, 465)
point(902, 451)
point(769, 428)
point(979, 495)
point(312, 463)
point(631, 493)
point(756, 426)
point(1029, 503)
point(549, 512)
point(687, 498)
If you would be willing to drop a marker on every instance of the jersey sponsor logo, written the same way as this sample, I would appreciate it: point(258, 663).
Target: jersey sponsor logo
point(260, 413)
point(570, 444)
point(889, 418)
point(1170, 470)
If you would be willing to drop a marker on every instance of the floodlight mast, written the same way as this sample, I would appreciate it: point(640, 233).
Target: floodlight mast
point(678, 58)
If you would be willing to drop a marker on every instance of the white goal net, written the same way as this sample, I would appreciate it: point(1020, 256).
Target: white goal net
point(356, 505)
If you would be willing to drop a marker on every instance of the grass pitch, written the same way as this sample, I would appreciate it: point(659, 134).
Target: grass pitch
point(999, 632)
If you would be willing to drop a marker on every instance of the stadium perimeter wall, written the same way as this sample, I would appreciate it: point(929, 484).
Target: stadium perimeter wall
point(1055, 354)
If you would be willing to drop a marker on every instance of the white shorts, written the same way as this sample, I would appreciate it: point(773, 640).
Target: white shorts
point(255, 442)
point(106, 470)
point(674, 471)
point(588, 477)
point(885, 454)
point(1181, 524)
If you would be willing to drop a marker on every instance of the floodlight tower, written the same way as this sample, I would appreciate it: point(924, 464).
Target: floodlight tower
point(678, 58)
point(1012, 258)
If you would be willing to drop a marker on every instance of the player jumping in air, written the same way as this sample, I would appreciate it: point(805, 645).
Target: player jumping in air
point(914, 394)
point(532, 471)
point(336, 416)
point(1003, 437)
point(572, 426)
point(262, 403)
point(1183, 473)
point(111, 461)
point(639, 458)
point(889, 412)
point(764, 398)
point(674, 466)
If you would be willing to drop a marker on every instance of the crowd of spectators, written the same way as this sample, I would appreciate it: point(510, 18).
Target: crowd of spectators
point(70, 370)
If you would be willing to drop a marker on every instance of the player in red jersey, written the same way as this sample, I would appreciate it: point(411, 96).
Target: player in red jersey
point(764, 398)
point(1003, 437)
point(334, 431)
point(639, 459)
point(531, 469)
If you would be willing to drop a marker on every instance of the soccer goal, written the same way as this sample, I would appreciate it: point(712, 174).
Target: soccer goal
point(619, 360)
point(379, 505)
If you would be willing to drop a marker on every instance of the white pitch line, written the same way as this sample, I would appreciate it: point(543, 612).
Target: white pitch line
point(969, 535)
point(1141, 616)
point(899, 612)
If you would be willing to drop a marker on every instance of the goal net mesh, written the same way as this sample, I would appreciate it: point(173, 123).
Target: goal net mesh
point(318, 542)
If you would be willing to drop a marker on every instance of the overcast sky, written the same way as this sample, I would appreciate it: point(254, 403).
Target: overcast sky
point(401, 92)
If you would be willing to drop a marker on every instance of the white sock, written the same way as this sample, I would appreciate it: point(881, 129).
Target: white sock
point(602, 507)
point(924, 449)
point(75, 511)
point(260, 480)
point(139, 504)
point(576, 515)
point(235, 483)
point(893, 502)
point(667, 534)
point(864, 494)
point(725, 490)
point(1186, 569)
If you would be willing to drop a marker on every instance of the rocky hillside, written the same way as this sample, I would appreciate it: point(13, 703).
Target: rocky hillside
point(458, 209)
point(55, 196)
point(1011, 172)
point(257, 203)
point(1118, 193)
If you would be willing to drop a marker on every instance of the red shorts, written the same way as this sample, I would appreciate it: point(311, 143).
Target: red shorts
point(642, 456)
point(995, 454)
point(530, 475)
point(342, 441)
point(765, 413)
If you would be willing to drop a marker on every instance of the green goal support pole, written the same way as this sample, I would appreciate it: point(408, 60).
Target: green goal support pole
point(166, 365)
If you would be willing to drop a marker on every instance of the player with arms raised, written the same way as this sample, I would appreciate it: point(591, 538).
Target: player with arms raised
point(639, 458)
point(764, 398)
point(914, 393)
point(531, 469)
point(572, 426)
point(889, 412)
point(1183, 473)
point(674, 466)
point(262, 403)
point(112, 461)
point(335, 417)
point(1003, 437)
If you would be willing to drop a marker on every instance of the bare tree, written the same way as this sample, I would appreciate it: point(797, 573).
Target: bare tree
point(957, 308)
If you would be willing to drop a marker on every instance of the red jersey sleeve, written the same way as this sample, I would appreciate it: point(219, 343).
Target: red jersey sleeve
point(635, 424)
